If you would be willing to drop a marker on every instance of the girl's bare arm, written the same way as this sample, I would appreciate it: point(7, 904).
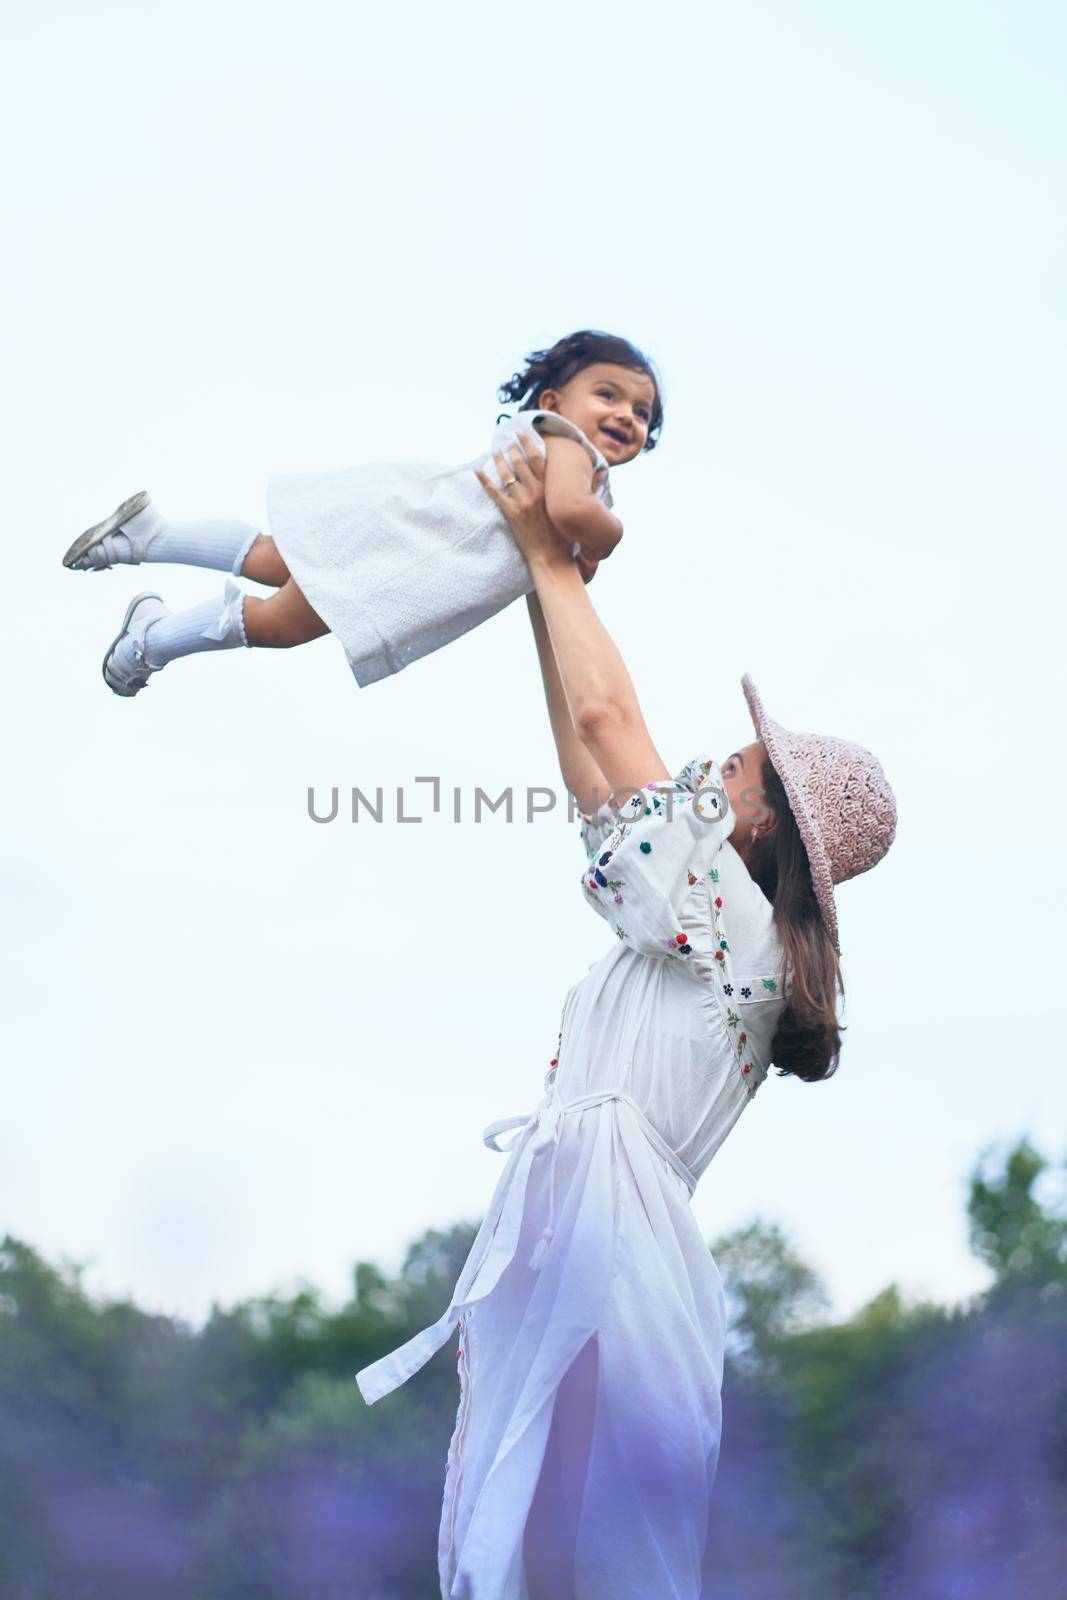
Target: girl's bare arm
point(571, 502)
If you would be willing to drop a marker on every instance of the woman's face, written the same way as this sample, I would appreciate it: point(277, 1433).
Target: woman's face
point(742, 779)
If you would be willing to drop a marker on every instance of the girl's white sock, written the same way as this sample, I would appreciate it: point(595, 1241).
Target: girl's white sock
point(212, 625)
point(218, 542)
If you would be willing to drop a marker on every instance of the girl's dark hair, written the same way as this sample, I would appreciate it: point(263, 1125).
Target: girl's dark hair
point(807, 1042)
point(551, 369)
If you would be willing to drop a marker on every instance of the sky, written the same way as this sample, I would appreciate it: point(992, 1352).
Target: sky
point(243, 1050)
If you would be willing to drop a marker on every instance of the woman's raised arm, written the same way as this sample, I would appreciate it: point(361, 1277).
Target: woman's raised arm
point(599, 692)
point(580, 772)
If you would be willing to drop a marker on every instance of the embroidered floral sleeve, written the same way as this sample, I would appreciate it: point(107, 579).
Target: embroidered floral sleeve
point(595, 828)
point(650, 877)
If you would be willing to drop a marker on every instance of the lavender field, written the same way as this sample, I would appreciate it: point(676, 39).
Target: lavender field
point(914, 1452)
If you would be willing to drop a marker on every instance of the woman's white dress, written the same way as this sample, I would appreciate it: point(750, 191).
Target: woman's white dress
point(400, 558)
point(589, 1234)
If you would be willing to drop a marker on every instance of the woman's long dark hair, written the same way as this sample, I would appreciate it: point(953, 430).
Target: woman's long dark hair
point(807, 1042)
point(551, 369)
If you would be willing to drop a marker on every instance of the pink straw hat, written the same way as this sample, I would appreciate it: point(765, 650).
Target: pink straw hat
point(840, 797)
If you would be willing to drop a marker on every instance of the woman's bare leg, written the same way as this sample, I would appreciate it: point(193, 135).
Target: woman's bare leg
point(551, 1533)
point(282, 620)
point(263, 564)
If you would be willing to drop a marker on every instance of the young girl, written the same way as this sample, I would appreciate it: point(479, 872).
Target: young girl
point(395, 560)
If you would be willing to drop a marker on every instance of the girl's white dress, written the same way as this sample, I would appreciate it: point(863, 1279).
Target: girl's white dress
point(589, 1246)
point(401, 558)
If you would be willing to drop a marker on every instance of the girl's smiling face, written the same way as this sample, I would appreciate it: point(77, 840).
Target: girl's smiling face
point(612, 405)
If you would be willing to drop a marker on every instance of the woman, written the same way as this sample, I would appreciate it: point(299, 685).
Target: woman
point(590, 1310)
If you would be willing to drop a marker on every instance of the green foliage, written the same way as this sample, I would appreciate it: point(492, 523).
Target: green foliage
point(770, 1292)
point(850, 1461)
point(1019, 1238)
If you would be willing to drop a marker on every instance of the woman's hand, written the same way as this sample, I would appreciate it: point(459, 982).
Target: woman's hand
point(523, 503)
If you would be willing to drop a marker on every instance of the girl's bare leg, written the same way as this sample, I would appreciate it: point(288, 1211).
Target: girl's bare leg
point(263, 564)
point(282, 620)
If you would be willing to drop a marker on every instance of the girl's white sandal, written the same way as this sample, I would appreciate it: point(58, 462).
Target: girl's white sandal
point(126, 673)
point(80, 555)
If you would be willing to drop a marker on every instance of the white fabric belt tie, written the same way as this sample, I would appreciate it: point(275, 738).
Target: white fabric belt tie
point(498, 1237)
point(548, 1117)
